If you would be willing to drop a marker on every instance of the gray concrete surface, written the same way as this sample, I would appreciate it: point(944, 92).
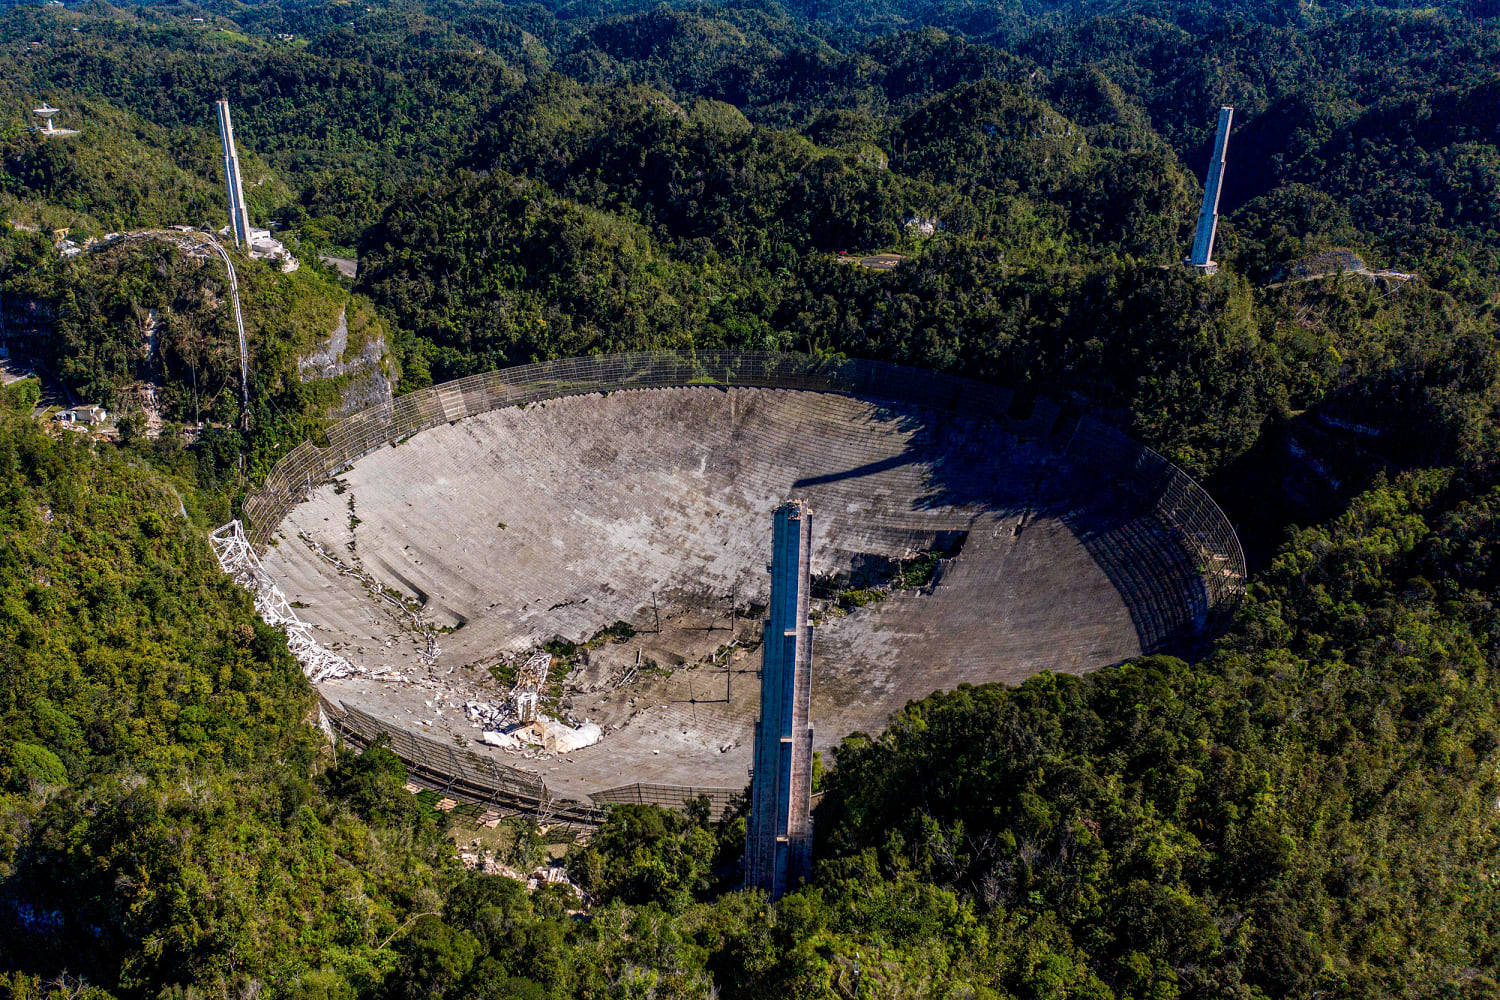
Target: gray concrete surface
point(497, 533)
point(346, 266)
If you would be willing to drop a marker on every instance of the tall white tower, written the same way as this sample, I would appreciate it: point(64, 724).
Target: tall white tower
point(1208, 216)
point(239, 213)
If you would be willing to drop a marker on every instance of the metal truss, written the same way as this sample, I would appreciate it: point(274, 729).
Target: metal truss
point(530, 680)
point(237, 558)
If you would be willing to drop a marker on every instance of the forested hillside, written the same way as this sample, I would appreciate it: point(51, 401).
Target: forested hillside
point(1307, 811)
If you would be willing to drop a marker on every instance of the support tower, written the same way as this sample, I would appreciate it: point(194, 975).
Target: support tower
point(239, 214)
point(1208, 215)
point(778, 839)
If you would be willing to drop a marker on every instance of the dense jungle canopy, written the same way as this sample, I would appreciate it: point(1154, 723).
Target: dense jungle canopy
point(1310, 809)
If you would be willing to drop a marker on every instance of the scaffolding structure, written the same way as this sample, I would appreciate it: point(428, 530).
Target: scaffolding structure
point(238, 559)
point(527, 692)
point(778, 837)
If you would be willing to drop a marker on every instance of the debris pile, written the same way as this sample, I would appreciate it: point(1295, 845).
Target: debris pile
point(485, 862)
point(501, 726)
point(488, 715)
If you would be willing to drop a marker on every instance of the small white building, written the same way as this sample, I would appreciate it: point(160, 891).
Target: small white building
point(267, 247)
point(91, 415)
point(264, 246)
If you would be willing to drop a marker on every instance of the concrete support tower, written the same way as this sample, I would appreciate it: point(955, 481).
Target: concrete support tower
point(778, 840)
point(1208, 216)
point(239, 214)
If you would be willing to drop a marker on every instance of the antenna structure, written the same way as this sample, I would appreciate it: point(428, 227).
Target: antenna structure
point(46, 113)
point(1208, 215)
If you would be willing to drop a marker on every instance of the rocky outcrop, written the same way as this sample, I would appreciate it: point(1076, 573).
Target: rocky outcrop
point(363, 378)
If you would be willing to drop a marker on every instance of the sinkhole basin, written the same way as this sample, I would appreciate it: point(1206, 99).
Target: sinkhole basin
point(438, 540)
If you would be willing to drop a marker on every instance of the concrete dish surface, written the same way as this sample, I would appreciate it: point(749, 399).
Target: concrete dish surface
point(492, 535)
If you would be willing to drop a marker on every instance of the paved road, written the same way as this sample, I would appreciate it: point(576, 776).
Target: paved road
point(882, 261)
point(347, 266)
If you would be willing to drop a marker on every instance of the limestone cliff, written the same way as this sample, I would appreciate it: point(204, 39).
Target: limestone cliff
point(360, 367)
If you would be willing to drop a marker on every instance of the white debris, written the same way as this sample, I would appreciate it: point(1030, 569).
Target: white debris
point(565, 740)
point(238, 559)
point(542, 875)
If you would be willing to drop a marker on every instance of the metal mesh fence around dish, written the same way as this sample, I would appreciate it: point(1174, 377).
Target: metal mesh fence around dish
point(307, 465)
point(458, 773)
point(720, 800)
point(1180, 501)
